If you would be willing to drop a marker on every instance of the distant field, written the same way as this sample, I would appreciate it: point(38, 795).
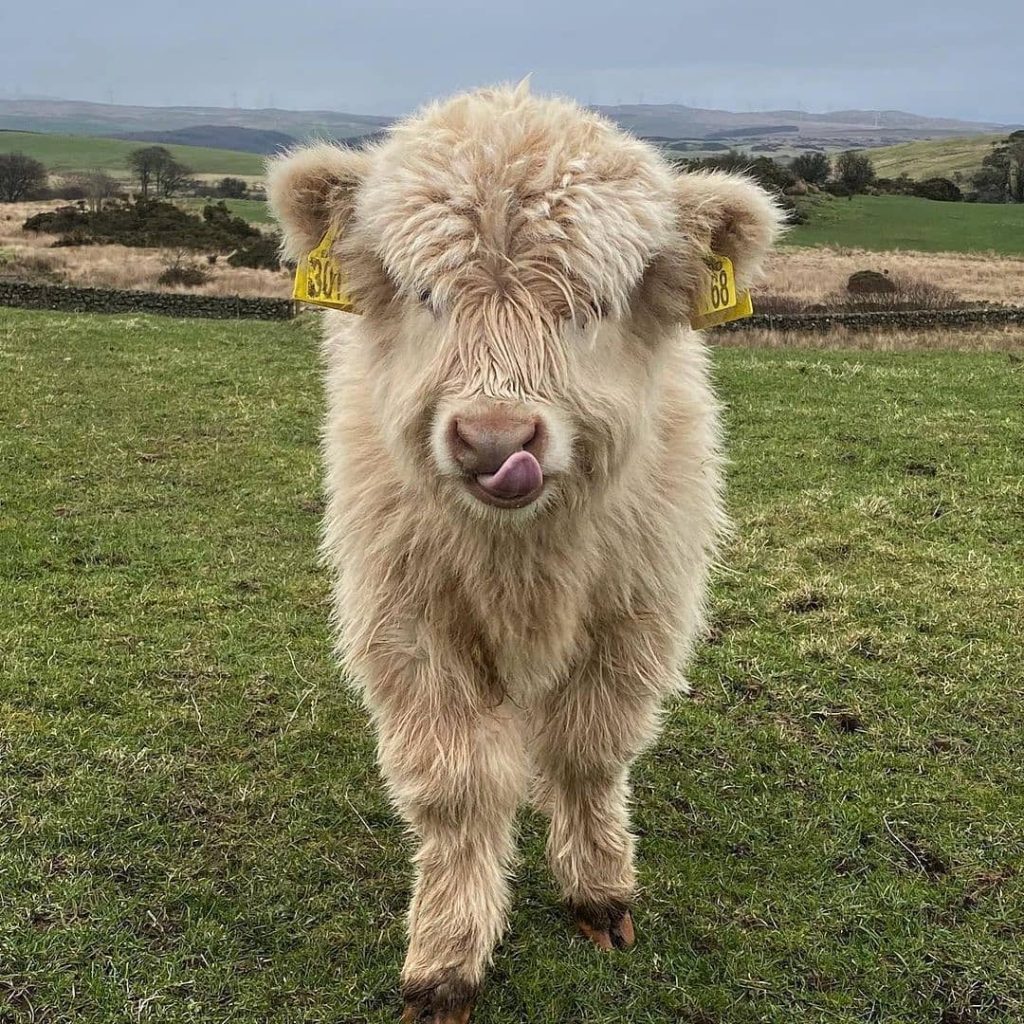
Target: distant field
point(85, 153)
point(933, 158)
point(253, 210)
point(881, 223)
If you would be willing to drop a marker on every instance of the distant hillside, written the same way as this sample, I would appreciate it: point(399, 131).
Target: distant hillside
point(843, 128)
point(795, 128)
point(218, 136)
point(77, 118)
point(937, 158)
point(87, 153)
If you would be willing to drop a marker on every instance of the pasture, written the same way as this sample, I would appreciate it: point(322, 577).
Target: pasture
point(883, 223)
point(193, 830)
point(87, 153)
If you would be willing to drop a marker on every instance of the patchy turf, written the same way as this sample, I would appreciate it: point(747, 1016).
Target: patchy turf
point(884, 223)
point(191, 826)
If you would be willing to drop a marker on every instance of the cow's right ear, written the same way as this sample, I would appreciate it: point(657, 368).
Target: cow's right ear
point(313, 189)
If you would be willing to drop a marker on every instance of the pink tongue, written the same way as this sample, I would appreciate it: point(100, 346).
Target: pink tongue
point(520, 474)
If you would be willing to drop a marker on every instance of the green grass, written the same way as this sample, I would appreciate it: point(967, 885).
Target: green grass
point(253, 210)
point(882, 223)
point(934, 157)
point(87, 153)
point(191, 825)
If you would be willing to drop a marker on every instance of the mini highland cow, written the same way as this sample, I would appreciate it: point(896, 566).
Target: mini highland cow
point(524, 484)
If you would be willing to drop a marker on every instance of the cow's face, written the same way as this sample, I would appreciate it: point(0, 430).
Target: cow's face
point(521, 266)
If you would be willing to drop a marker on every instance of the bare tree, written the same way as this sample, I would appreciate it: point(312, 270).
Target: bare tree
point(172, 177)
point(145, 164)
point(97, 186)
point(20, 176)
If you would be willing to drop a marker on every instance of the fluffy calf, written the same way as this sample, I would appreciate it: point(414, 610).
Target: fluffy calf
point(524, 484)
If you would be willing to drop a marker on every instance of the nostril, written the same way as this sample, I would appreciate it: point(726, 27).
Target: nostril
point(531, 437)
point(460, 435)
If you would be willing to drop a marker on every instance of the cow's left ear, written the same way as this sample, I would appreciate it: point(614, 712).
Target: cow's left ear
point(728, 215)
point(313, 189)
point(715, 213)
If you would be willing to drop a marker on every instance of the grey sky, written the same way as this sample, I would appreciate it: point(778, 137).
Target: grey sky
point(385, 57)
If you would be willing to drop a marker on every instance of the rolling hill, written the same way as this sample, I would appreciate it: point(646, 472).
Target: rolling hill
point(218, 136)
point(74, 117)
point(670, 121)
point(934, 157)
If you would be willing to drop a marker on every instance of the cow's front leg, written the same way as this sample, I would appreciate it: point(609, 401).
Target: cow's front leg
point(457, 772)
point(586, 736)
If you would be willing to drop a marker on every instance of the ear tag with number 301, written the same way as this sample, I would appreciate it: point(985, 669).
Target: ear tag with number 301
point(721, 303)
point(319, 278)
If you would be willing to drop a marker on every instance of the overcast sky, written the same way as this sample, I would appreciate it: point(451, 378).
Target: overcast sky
point(387, 56)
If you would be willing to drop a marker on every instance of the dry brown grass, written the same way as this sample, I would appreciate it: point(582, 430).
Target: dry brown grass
point(31, 257)
point(1008, 338)
point(811, 275)
point(803, 275)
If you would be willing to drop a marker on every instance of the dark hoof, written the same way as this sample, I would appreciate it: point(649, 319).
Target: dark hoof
point(608, 926)
point(445, 1000)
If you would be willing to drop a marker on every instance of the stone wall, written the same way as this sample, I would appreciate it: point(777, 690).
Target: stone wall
point(107, 300)
point(913, 319)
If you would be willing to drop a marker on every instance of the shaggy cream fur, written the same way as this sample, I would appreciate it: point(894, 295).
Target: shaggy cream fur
point(519, 253)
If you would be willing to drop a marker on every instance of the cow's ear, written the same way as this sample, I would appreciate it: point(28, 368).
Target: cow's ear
point(715, 213)
point(313, 189)
point(728, 215)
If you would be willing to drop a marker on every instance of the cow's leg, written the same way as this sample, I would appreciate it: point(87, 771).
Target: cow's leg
point(585, 737)
point(457, 772)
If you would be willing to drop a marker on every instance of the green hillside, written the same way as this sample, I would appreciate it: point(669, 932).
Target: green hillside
point(933, 158)
point(905, 222)
point(86, 153)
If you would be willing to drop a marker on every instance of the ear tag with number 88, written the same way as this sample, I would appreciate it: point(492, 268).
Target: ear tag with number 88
point(319, 278)
point(721, 303)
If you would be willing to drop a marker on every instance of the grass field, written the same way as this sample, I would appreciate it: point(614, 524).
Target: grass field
point(882, 223)
point(87, 153)
point(933, 157)
point(253, 210)
point(192, 826)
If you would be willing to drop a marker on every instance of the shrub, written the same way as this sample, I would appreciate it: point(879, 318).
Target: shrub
point(813, 168)
point(261, 253)
point(901, 294)
point(189, 276)
point(149, 223)
point(232, 188)
point(940, 189)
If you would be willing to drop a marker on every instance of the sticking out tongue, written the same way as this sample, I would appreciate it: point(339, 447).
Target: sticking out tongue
point(520, 474)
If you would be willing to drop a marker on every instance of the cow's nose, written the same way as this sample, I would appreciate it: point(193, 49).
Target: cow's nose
point(484, 443)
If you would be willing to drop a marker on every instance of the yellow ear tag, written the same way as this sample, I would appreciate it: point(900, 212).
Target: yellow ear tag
point(721, 303)
point(319, 278)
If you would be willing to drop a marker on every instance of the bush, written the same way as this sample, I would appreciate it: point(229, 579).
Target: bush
point(942, 190)
point(262, 253)
point(188, 275)
point(813, 168)
point(149, 223)
point(901, 294)
point(232, 188)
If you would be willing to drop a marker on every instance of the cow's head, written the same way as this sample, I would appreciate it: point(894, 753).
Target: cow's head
point(520, 266)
